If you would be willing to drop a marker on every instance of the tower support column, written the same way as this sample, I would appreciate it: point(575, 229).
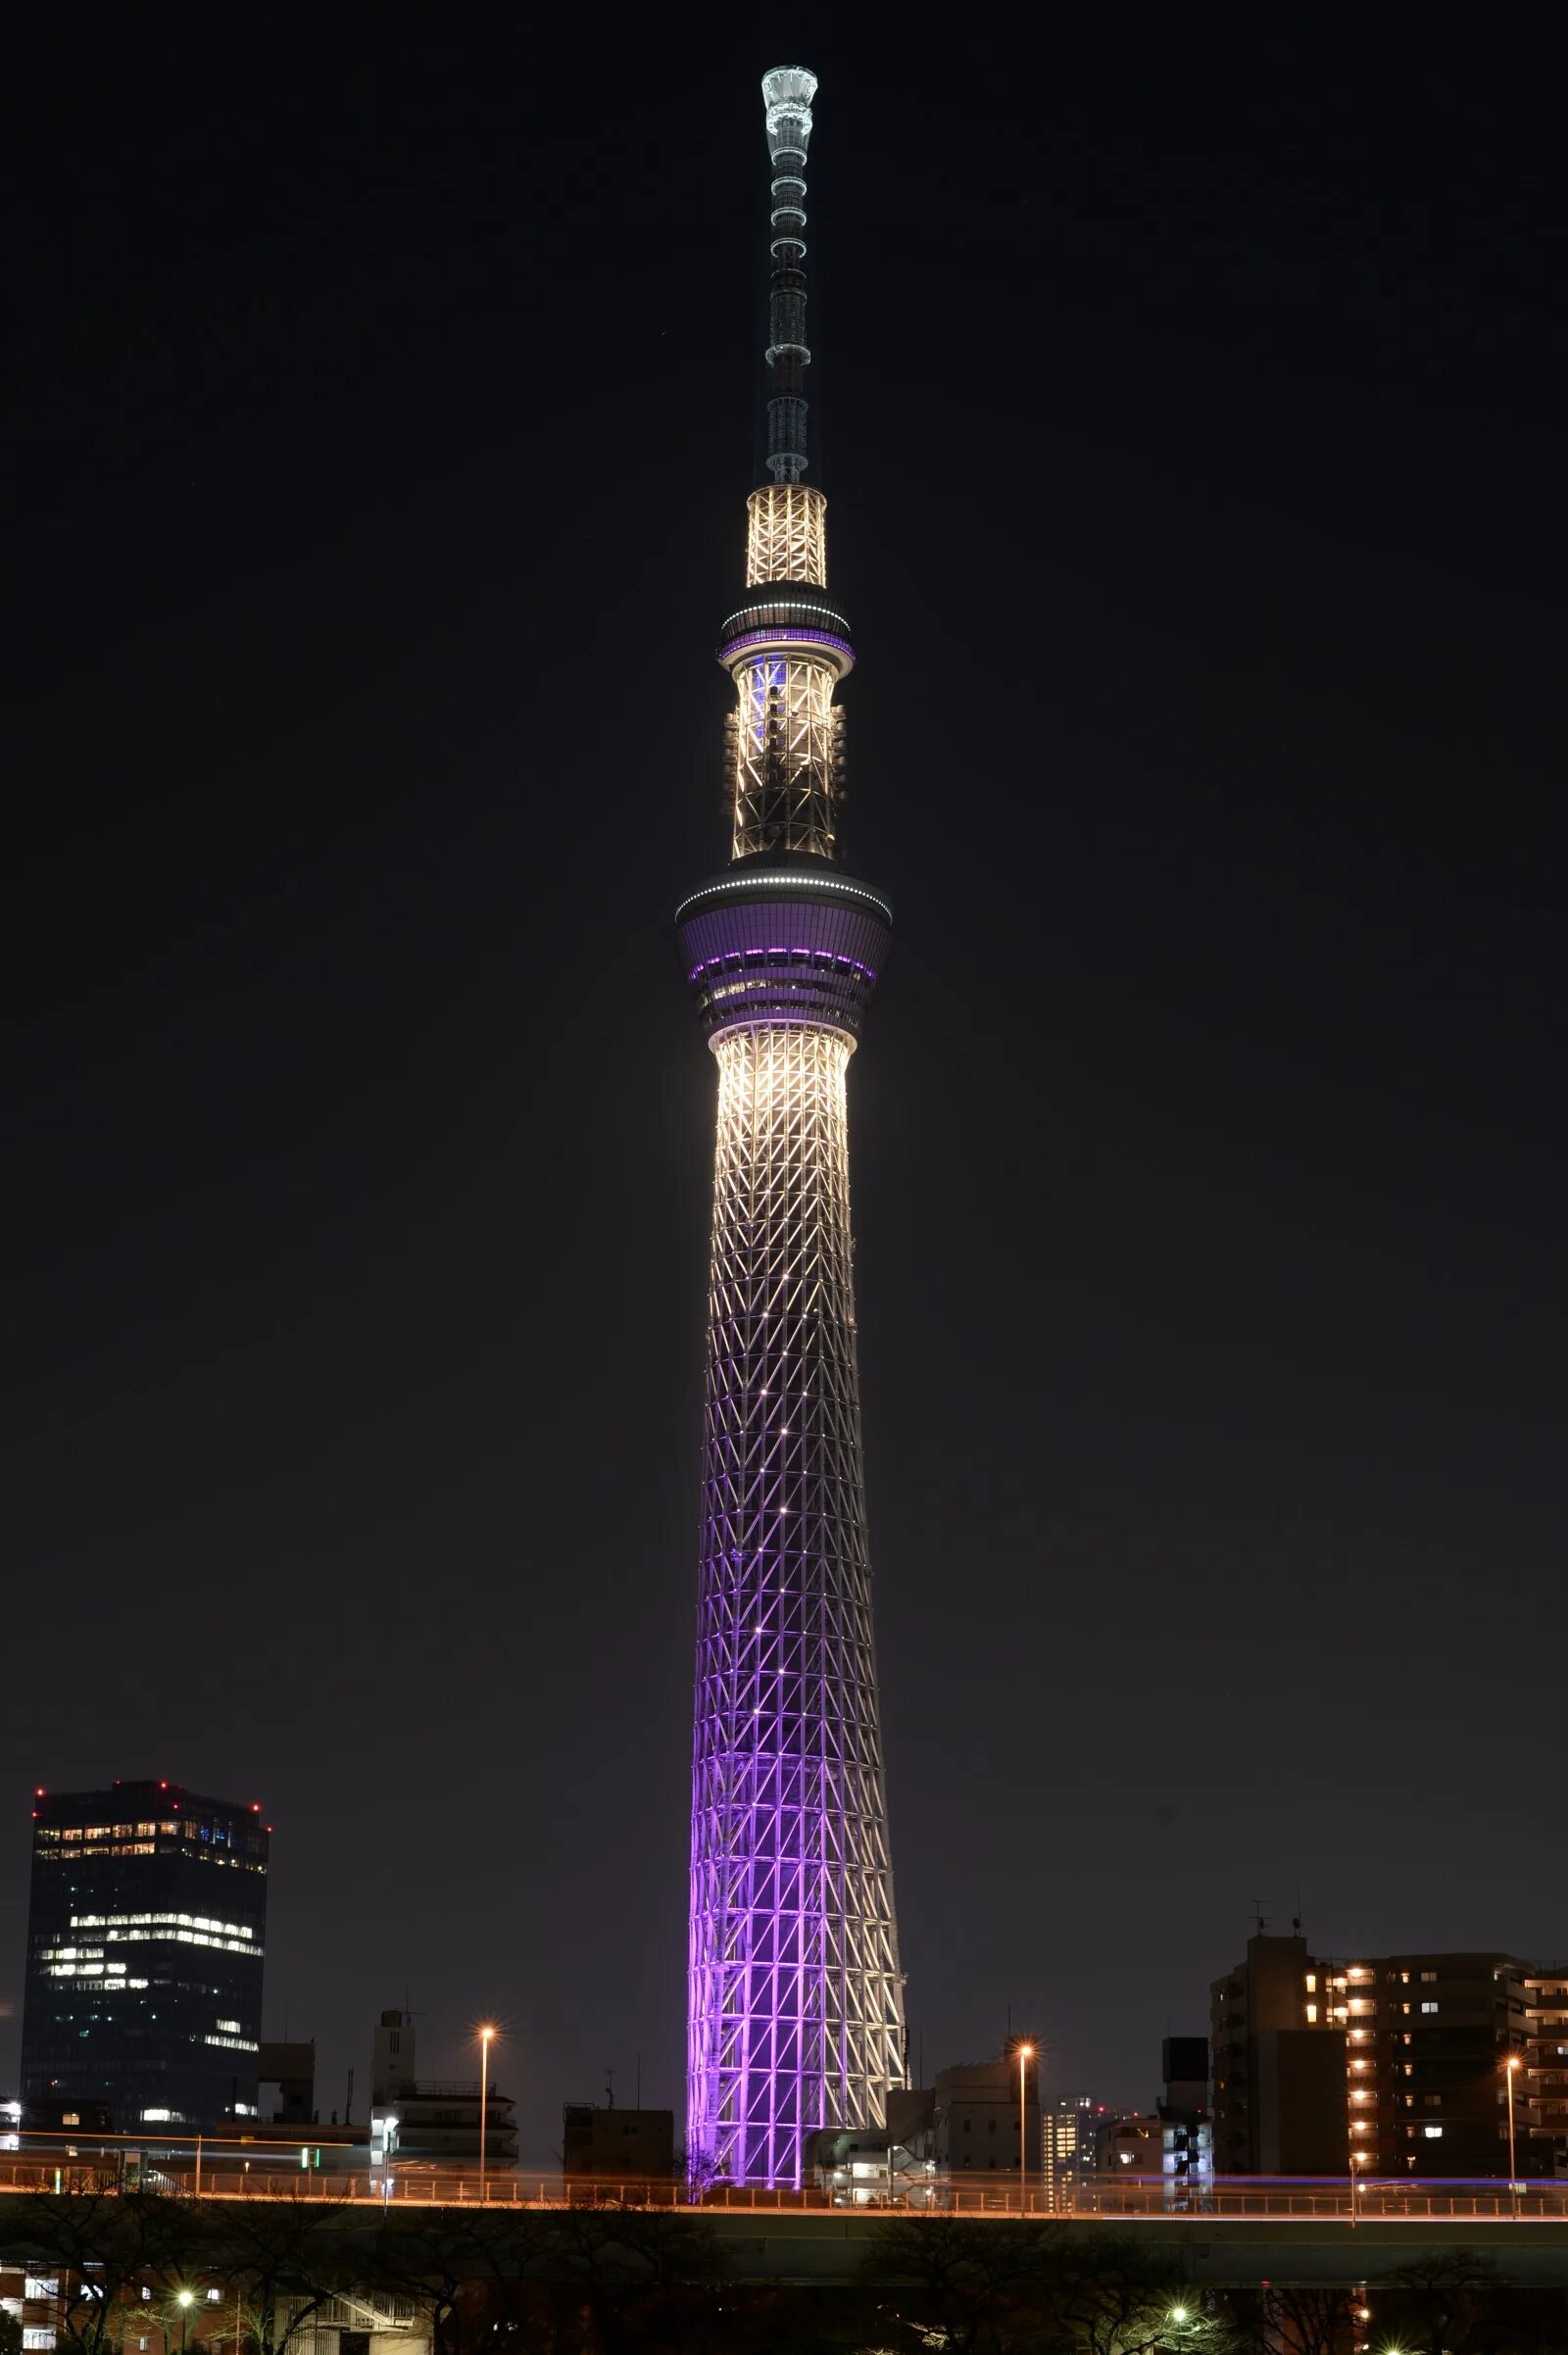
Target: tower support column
point(795, 2009)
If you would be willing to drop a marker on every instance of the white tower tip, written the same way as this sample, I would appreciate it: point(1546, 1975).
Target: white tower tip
point(787, 94)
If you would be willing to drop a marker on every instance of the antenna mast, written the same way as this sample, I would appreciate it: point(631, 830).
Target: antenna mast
point(787, 94)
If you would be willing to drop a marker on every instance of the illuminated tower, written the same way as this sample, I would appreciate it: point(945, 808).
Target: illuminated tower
point(796, 2007)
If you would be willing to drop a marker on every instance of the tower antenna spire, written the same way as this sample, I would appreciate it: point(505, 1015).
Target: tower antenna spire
point(787, 94)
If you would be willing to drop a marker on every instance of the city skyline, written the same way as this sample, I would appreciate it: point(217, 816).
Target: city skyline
point(1191, 442)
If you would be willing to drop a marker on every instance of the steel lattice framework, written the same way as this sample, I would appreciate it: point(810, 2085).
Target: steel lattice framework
point(796, 2012)
point(787, 753)
point(796, 2018)
point(786, 534)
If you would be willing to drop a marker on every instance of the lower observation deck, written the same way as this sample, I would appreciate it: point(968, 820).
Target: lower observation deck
point(783, 619)
point(780, 939)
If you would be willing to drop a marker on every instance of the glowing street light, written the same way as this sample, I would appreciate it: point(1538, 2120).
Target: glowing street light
point(487, 2039)
point(1511, 2071)
point(184, 2299)
point(1177, 2313)
point(1358, 2160)
point(1026, 2054)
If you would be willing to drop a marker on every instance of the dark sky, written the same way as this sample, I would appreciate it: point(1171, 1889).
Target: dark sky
point(379, 425)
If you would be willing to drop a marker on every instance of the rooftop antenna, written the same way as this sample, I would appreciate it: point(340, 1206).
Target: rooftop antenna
point(787, 94)
point(1259, 1904)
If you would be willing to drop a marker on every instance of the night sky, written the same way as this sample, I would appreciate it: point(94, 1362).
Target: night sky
point(380, 416)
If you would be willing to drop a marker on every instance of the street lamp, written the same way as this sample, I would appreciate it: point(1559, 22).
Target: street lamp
point(1358, 2161)
point(184, 2299)
point(486, 2039)
point(1026, 2054)
point(1510, 2071)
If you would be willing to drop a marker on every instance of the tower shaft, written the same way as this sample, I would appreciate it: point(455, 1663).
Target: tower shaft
point(793, 1996)
point(796, 2008)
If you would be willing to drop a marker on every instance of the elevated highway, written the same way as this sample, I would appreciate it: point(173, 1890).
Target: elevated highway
point(1265, 2233)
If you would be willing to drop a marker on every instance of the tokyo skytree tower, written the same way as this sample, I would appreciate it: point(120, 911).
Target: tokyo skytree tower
point(796, 2005)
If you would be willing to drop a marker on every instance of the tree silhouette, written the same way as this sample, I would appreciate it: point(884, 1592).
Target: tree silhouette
point(1434, 2305)
point(1298, 2318)
point(284, 2260)
point(1119, 2300)
point(977, 2284)
point(105, 2250)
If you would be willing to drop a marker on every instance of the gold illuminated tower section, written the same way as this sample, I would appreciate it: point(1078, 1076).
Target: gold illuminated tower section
point(796, 2005)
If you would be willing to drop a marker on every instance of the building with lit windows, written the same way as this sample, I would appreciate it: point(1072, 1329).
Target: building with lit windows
point(1171, 2145)
point(1068, 2141)
point(1428, 2041)
point(1421, 2046)
point(1544, 2088)
point(145, 1936)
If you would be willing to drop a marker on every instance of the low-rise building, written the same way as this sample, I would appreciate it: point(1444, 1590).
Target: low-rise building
point(1130, 2146)
point(866, 2166)
point(980, 2123)
point(415, 2118)
point(632, 2145)
point(285, 2079)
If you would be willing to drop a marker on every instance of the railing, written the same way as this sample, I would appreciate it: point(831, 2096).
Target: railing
point(1115, 2200)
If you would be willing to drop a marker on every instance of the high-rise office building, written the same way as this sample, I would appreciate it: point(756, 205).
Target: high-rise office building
point(796, 2006)
point(145, 1940)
